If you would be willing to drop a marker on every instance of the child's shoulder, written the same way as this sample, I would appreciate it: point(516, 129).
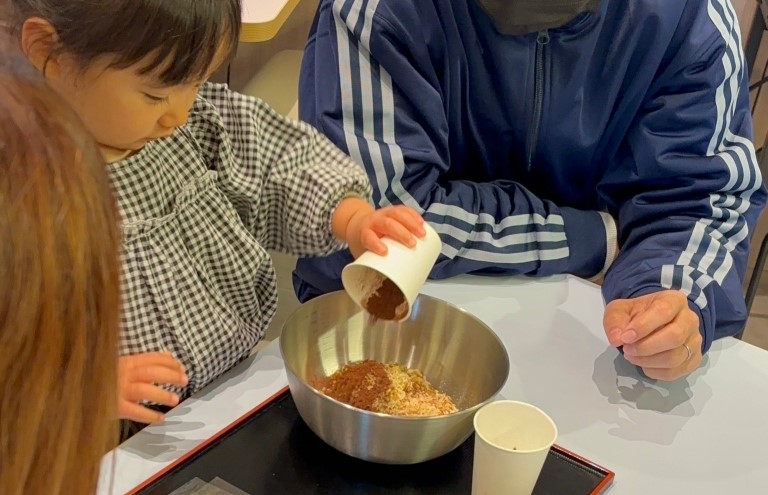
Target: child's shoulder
point(236, 114)
point(213, 93)
point(208, 116)
point(225, 101)
point(219, 98)
point(206, 102)
point(222, 117)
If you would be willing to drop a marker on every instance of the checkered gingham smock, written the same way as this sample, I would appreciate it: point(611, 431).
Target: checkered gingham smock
point(200, 210)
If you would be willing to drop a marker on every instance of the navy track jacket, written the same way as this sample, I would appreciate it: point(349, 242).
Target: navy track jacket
point(515, 147)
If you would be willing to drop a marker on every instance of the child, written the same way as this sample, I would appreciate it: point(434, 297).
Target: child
point(206, 180)
point(59, 309)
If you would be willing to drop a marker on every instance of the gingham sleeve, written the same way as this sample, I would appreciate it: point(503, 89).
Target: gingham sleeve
point(284, 178)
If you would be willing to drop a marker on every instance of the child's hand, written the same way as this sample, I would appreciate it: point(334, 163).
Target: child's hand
point(400, 223)
point(138, 376)
point(364, 227)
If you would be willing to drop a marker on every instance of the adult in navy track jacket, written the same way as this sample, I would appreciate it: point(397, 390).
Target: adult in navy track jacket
point(527, 131)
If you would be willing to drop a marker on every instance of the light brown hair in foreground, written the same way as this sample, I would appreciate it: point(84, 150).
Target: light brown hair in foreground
point(59, 301)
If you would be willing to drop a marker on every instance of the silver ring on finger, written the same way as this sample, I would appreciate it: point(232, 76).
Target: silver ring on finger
point(690, 354)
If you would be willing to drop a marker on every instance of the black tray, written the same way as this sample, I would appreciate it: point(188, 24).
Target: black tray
point(272, 451)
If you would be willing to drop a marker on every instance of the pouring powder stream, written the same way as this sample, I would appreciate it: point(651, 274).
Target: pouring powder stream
point(386, 302)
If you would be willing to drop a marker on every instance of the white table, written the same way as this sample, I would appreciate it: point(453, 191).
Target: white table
point(702, 435)
point(262, 19)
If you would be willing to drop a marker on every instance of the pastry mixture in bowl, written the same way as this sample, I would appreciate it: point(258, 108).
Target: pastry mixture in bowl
point(387, 388)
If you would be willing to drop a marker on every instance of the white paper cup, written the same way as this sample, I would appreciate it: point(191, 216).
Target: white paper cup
point(407, 268)
point(512, 440)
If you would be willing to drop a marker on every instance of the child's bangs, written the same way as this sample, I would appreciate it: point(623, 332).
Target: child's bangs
point(179, 41)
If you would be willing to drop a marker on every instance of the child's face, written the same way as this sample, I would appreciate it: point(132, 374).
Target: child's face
point(123, 109)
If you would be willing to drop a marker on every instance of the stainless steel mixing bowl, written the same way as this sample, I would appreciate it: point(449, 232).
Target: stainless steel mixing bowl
point(457, 353)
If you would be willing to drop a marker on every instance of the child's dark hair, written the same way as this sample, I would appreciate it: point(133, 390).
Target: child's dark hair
point(178, 38)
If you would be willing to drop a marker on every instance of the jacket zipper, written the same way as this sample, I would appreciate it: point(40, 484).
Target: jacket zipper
point(542, 40)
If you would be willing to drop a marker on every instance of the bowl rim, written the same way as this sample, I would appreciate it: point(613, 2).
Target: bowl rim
point(383, 416)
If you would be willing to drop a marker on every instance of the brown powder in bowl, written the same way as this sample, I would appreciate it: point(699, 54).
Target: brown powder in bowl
point(387, 302)
point(358, 384)
point(386, 388)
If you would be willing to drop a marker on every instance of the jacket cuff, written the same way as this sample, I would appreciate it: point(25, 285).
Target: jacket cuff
point(611, 244)
point(586, 235)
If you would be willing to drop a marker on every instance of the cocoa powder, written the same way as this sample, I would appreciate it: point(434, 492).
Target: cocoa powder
point(358, 384)
point(387, 388)
point(386, 302)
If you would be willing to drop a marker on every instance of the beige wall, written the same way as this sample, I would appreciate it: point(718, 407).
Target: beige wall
point(745, 9)
point(251, 57)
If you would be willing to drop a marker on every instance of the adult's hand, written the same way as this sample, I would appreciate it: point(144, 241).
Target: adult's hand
point(659, 332)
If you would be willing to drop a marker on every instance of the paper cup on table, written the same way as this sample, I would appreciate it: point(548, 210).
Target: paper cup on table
point(379, 283)
point(512, 440)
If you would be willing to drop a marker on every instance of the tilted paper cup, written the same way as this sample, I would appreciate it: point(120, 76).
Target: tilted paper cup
point(407, 268)
point(512, 440)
